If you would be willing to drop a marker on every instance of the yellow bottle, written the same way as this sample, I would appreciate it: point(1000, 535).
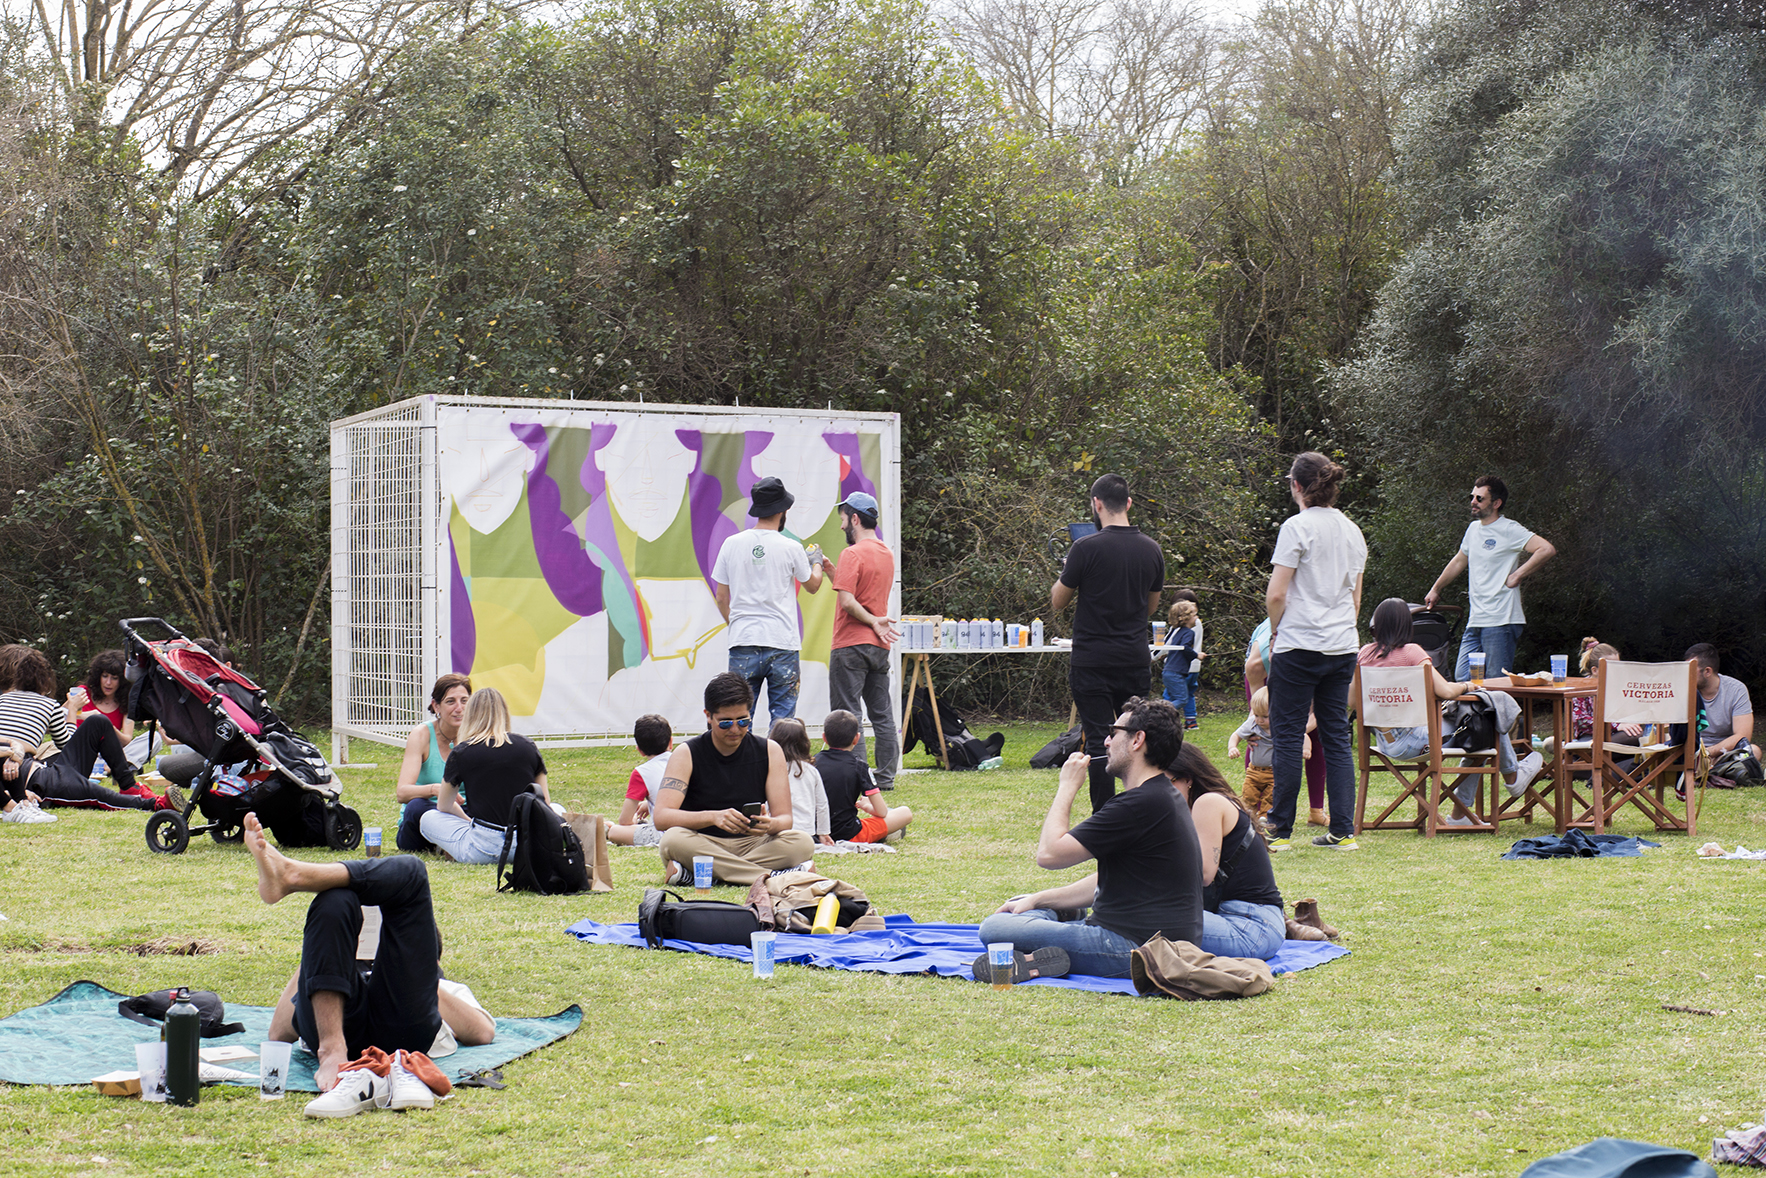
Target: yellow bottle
point(827, 915)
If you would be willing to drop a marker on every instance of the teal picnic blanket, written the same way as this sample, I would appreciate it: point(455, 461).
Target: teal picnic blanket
point(78, 1035)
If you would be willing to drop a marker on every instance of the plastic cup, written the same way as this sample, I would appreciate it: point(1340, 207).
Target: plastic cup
point(764, 945)
point(150, 1061)
point(999, 963)
point(273, 1070)
point(371, 842)
point(1477, 660)
point(1560, 667)
point(702, 874)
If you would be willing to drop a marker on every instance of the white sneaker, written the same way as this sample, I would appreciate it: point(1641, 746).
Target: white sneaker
point(407, 1090)
point(1525, 772)
point(28, 813)
point(357, 1091)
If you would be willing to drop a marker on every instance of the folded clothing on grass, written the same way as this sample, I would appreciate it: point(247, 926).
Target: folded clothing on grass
point(904, 946)
point(78, 1035)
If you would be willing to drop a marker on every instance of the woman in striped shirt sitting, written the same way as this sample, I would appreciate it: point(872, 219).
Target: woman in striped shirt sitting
point(29, 715)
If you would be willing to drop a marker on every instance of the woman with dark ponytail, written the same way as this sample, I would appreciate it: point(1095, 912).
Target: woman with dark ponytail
point(1314, 598)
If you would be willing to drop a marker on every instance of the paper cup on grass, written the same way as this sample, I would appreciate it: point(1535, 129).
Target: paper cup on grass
point(273, 1070)
point(764, 945)
point(150, 1061)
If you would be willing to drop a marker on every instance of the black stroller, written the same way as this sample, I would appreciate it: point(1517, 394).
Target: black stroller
point(251, 760)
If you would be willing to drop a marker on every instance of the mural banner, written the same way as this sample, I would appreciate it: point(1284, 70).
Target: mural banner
point(579, 543)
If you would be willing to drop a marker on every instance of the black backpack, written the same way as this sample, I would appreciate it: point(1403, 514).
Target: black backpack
point(962, 749)
point(1469, 723)
point(1053, 754)
point(547, 857)
point(709, 922)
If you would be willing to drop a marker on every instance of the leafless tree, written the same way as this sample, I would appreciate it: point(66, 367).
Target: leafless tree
point(1123, 76)
point(208, 87)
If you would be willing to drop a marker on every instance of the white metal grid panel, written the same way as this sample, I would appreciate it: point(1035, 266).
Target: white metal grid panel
point(383, 561)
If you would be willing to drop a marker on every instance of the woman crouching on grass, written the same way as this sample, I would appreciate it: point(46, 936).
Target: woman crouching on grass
point(1242, 913)
point(30, 715)
point(493, 766)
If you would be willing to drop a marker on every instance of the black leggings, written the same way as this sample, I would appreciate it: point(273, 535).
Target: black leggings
point(63, 777)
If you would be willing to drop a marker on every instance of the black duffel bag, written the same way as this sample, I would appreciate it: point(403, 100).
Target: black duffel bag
point(709, 922)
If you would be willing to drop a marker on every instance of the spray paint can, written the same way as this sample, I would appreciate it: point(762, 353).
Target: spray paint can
point(183, 1037)
point(1036, 632)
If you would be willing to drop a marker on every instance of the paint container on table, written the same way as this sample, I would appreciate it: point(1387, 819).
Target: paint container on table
point(183, 1041)
point(1023, 634)
point(764, 944)
point(999, 964)
point(273, 1070)
point(150, 1061)
point(702, 874)
point(1036, 632)
point(827, 916)
point(999, 632)
point(1560, 667)
point(1477, 672)
point(371, 842)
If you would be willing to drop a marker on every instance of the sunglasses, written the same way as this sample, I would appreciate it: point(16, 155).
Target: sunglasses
point(744, 722)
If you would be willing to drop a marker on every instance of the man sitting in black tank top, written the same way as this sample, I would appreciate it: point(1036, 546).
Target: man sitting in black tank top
point(710, 778)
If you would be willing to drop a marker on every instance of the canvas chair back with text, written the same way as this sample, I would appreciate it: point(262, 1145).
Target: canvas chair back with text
point(1396, 698)
point(1643, 775)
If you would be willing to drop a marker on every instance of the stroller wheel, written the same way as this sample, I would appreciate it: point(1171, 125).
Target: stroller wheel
point(343, 828)
point(228, 835)
point(167, 834)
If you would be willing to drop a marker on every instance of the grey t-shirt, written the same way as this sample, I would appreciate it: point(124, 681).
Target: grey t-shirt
point(1262, 749)
point(1720, 713)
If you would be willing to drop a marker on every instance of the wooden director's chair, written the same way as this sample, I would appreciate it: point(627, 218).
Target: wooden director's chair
point(1404, 697)
point(1661, 694)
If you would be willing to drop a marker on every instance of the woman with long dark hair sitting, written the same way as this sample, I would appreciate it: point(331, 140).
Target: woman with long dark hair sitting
point(1242, 913)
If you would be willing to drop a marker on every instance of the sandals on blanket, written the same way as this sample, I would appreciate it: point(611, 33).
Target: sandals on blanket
point(1044, 963)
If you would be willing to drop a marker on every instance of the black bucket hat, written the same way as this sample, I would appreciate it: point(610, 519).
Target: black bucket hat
point(769, 497)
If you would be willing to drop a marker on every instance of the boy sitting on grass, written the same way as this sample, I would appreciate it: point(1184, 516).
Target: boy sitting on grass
point(655, 737)
point(846, 779)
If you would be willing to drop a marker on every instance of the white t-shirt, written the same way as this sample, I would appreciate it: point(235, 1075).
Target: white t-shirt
point(761, 567)
point(1327, 554)
point(1492, 551)
point(651, 774)
point(809, 801)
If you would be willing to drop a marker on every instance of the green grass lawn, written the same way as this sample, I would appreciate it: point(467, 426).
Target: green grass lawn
point(1491, 1013)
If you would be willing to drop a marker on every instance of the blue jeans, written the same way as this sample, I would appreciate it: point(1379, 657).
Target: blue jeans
point(1177, 691)
point(1498, 644)
point(1189, 706)
point(465, 842)
point(1302, 681)
point(1092, 948)
point(774, 667)
point(410, 832)
point(1414, 742)
point(1240, 929)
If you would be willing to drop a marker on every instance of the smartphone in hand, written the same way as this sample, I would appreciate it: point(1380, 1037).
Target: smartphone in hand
point(754, 811)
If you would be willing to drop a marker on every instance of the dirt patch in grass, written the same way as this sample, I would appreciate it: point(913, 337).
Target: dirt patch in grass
point(158, 947)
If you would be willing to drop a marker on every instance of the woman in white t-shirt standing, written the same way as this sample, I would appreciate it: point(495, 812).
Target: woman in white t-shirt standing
point(1314, 598)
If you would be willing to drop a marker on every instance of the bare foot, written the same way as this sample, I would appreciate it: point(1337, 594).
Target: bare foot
point(330, 1063)
point(273, 866)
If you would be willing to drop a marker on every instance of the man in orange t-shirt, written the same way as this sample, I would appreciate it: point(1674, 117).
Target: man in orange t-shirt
point(858, 668)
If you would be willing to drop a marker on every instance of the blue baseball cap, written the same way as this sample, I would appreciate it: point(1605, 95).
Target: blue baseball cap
point(862, 503)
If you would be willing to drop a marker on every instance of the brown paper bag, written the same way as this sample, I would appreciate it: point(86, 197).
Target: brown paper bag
point(592, 830)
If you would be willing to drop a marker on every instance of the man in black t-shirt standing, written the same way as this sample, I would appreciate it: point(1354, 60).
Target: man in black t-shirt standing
point(710, 778)
point(1149, 876)
point(1117, 575)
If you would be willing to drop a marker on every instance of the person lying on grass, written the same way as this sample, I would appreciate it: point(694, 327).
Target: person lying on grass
point(334, 1004)
point(846, 779)
point(1149, 876)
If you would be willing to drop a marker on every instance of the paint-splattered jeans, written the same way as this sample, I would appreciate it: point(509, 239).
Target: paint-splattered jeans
point(774, 667)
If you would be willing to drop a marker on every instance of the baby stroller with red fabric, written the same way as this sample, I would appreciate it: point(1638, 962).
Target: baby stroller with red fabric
point(252, 761)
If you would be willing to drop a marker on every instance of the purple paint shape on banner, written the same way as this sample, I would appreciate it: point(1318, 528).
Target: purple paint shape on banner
point(593, 479)
point(573, 578)
point(463, 641)
point(753, 442)
point(847, 446)
point(705, 498)
point(601, 541)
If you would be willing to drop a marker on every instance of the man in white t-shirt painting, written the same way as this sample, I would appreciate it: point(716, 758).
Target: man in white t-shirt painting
point(757, 573)
point(1493, 548)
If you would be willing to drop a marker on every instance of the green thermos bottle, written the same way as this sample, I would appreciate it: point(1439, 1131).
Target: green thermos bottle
point(183, 1063)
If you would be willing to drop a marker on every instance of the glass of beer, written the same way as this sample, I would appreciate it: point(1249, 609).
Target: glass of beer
point(1477, 660)
point(999, 964)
